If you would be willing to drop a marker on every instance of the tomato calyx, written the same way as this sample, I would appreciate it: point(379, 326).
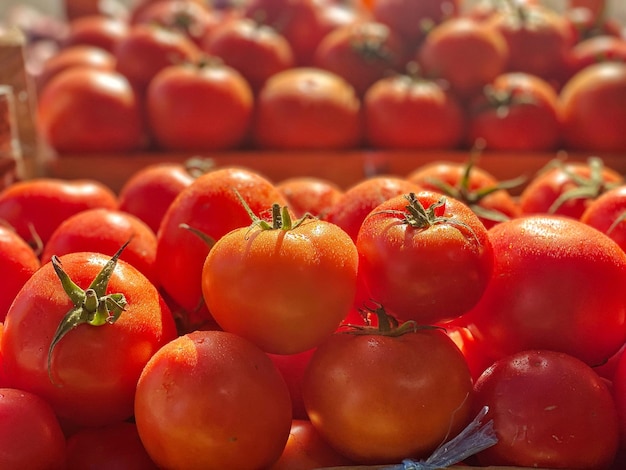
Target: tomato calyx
point(504, 99)
point(281, 217)
point(92, 306)
point(387, 324)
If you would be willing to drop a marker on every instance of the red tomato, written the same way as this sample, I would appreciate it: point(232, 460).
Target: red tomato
point(36, 207)
point(606, 213)
point(18, 262)
point(113, 447)
point(148, 192)
point(474, 351)
point(556, 284)
point(30, 435)
point(212, 400)
point(513, 107)
point(424, 257)
point(284, 287)
point(87, 373)
point(619, 395)
point(2, 379)
point(406, 112)
point(380, 398)
point(307, 108)
point(594, 108)
point(596, 49)
point(85, 110)
point(549, 410)
point(292, 367)
point(210, 206)
point(310, 195)
point(96, 30)
point(199, 107)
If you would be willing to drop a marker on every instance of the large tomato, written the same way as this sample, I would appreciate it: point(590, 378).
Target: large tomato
point(96, 30)
point(607, 213)
point(557, 284)
point(596, 49)
point(212, 400)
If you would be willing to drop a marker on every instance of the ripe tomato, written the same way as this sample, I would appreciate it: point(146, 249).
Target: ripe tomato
point(606, 213)
point(424, 257)
point(306, 108)
point(292, 367)
point(208, 205)
point(84, 109)
point(18, 262)
point(96, 30)
point(549, 409)
point(310, 195)
point(264, 282)
point(212, 400)
point(407, 112)
point(619, 395)
point(594, 108)
point(199, 107)
point(556, 284)
point(36, 207)
point(422, 394)
point(596, 49)
point(52, 345)
point(513, 107)
point(30, 435)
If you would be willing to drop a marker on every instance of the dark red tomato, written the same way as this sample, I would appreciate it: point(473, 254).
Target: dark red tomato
point(30, 435)
point(567, 188)
point(463, 52)
point(556, 284)
point(104, 231)
point(36, 207)
point(212, 400)
point(83, 110)
point(406, 112)
point(596, 49)
point(380, 398)
point(148, 192)
point(116, 446)
point(476, 354)
point(306, 450)
point(357, 202)
point(101, 31)
point(424, 257)
point(86, 365)
point(607, 212)
point(549, 409)
point(78, 8)
point(256, 50)
point(292, 367)
point(306, 108)
point(594, 108)
point(138, 7)
point(18, 262)
point(211, 206)
point(513, 107)
point(619, 395)
point(310, 195)
point(361, 53)
point(2, 379)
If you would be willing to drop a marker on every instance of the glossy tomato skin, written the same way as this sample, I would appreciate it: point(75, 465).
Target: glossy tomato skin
point(206, 107)
point(604, 47)
point(619, 395)
point(428, 274)
point(605, 211)
point(308, 194)
point(556, 284)
point(212, 400)
point(95, 369)
point(549, 409)
point(292, 367)
point(30, 435)
point(414, 391)
point(100, 31)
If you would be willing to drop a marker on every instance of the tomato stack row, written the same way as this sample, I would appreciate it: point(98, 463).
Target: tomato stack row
point(325, 74)
point(217, 319)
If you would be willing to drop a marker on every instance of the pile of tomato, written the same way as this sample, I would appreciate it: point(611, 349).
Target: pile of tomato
point(191, 75)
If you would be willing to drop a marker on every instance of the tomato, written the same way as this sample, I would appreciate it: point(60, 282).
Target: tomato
point(407, 112)
point(292, 367)
point(138, 8)
point(567, 188)
point(84, 110)
point(85, 365)
point(18, 262)
point(2, 379)
point(556, 284)
point(208, 205)
point(30, 435)
point(596, 49)
point(594, 108)
point(212, 400)
point(104, 231)
point(380, 398)
point(549, 409)
point(148, 192)
point(512, 107)
point(361, 53)
point(307, 108)
point(424, 257)
point(359, 200)
point(619, 395)
point(310, 195)
point(96, 30)
point(255, 50)
point(199, 107)
point(476, 355)
point(606, 213)
point(285, 286)
point(464, 53)
point(36, 207)
point(113, 447)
